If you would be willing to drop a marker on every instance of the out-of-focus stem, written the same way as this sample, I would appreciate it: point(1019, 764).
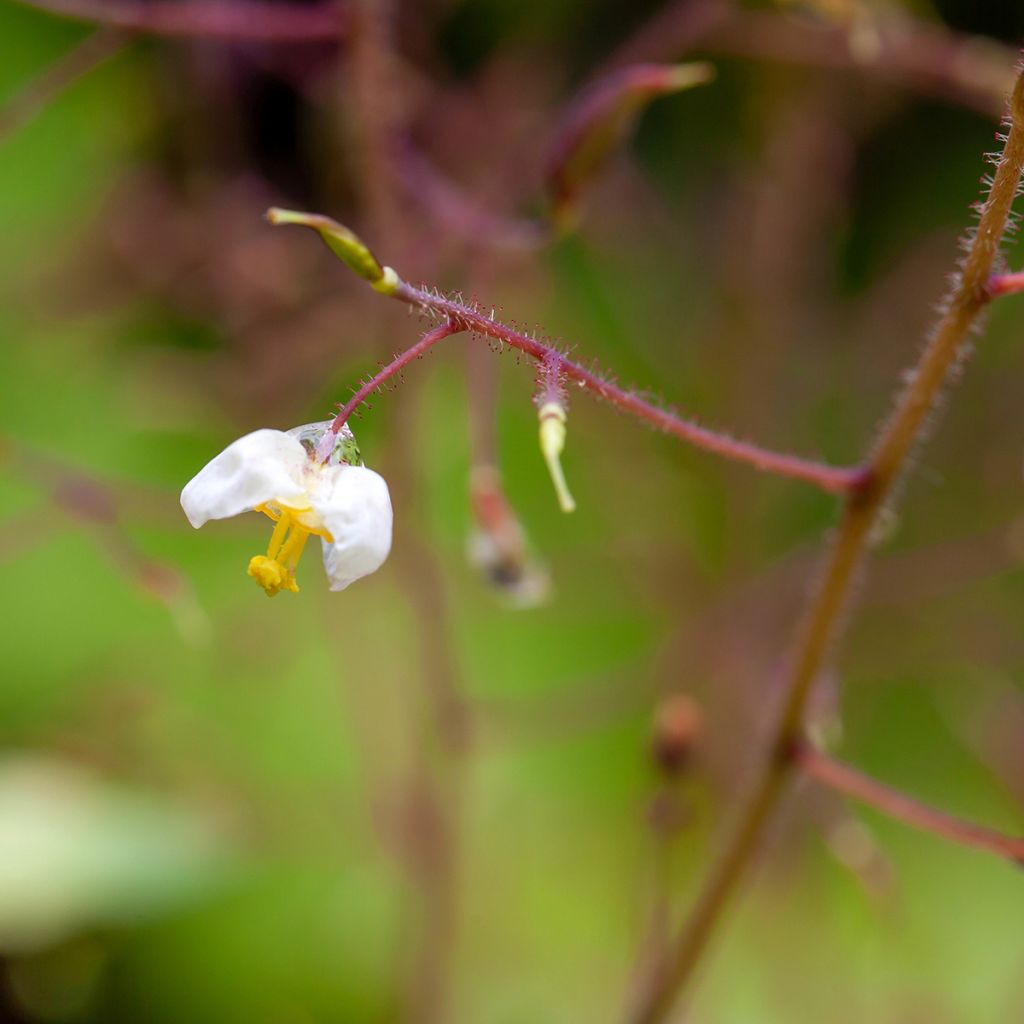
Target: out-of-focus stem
point(825, 615)
point(375, 114)
point(252, 21)
point(909, 52)
point(667, 814)
point(969, 70)
point(852, 783)
point(59, 76)
point(438, 776)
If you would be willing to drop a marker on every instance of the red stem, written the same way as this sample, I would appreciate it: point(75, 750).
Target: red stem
point(1005, 284)
point(833, 479)
point(254, 21)
point(852, 783)
point(429, 340)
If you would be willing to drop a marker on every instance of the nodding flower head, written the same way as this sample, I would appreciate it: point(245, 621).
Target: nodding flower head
point(279, 474)
point(498, 545)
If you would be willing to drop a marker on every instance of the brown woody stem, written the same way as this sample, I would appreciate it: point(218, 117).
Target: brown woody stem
point(824, 618)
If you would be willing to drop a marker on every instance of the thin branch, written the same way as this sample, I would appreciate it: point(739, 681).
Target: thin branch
point(891, 802)
point(428, 341)
point(826, 612)
point(440, 771)
point(375, 113)
point(56, 78)
point(972, 71)
point(462, 214)
point(256, 21)
point(833, 479)
point(1005, 284)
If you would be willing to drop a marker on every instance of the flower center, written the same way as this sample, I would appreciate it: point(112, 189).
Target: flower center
point(275, 571)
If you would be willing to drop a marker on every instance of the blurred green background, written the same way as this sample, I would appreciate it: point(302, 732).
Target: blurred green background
point(411, 801)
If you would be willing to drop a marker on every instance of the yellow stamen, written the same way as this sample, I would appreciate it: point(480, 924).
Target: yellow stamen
point(275, 571)
point(277, 537)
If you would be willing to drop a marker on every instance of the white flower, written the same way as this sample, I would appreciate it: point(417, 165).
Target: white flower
point(279, 474)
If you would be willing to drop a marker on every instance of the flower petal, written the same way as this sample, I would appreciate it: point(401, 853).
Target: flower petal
point(356, 509)
point(262, 466)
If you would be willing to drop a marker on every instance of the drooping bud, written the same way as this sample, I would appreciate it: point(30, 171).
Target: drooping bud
point(498, 545)
point(551, 411)
point(678, 722)
point(552, 442)
point(345, 244)
point(598, 122)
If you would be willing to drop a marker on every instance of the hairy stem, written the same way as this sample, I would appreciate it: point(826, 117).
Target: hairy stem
point(852, 783)
point(825, 615)
point(834, 479)
point(428, 341)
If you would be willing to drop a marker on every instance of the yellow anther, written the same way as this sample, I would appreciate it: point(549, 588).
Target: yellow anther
point(275, 571)
point(552, 441)
point(271, 575)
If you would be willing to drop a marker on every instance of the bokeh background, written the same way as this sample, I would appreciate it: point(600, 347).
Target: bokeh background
point(415, 801)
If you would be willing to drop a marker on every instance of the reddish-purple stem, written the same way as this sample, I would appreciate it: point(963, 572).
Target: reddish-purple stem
point(852, 783)
point(1005, 284)
point(550, 389)
point(834, 479)
point(604, 109)
point(428, 340)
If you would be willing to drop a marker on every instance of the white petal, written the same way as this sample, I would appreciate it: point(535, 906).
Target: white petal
point(356, 509)
point(260, 467)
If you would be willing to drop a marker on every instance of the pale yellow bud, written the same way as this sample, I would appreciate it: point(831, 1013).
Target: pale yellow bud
point(345, 244)
point(552, 442)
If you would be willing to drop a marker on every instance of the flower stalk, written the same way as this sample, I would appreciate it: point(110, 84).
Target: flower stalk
point(428, 341)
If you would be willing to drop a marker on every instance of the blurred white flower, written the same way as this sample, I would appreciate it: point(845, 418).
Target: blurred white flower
point(278, 473)
point(78, 853)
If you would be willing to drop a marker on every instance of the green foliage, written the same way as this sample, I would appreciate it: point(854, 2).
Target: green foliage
point(235, 767)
